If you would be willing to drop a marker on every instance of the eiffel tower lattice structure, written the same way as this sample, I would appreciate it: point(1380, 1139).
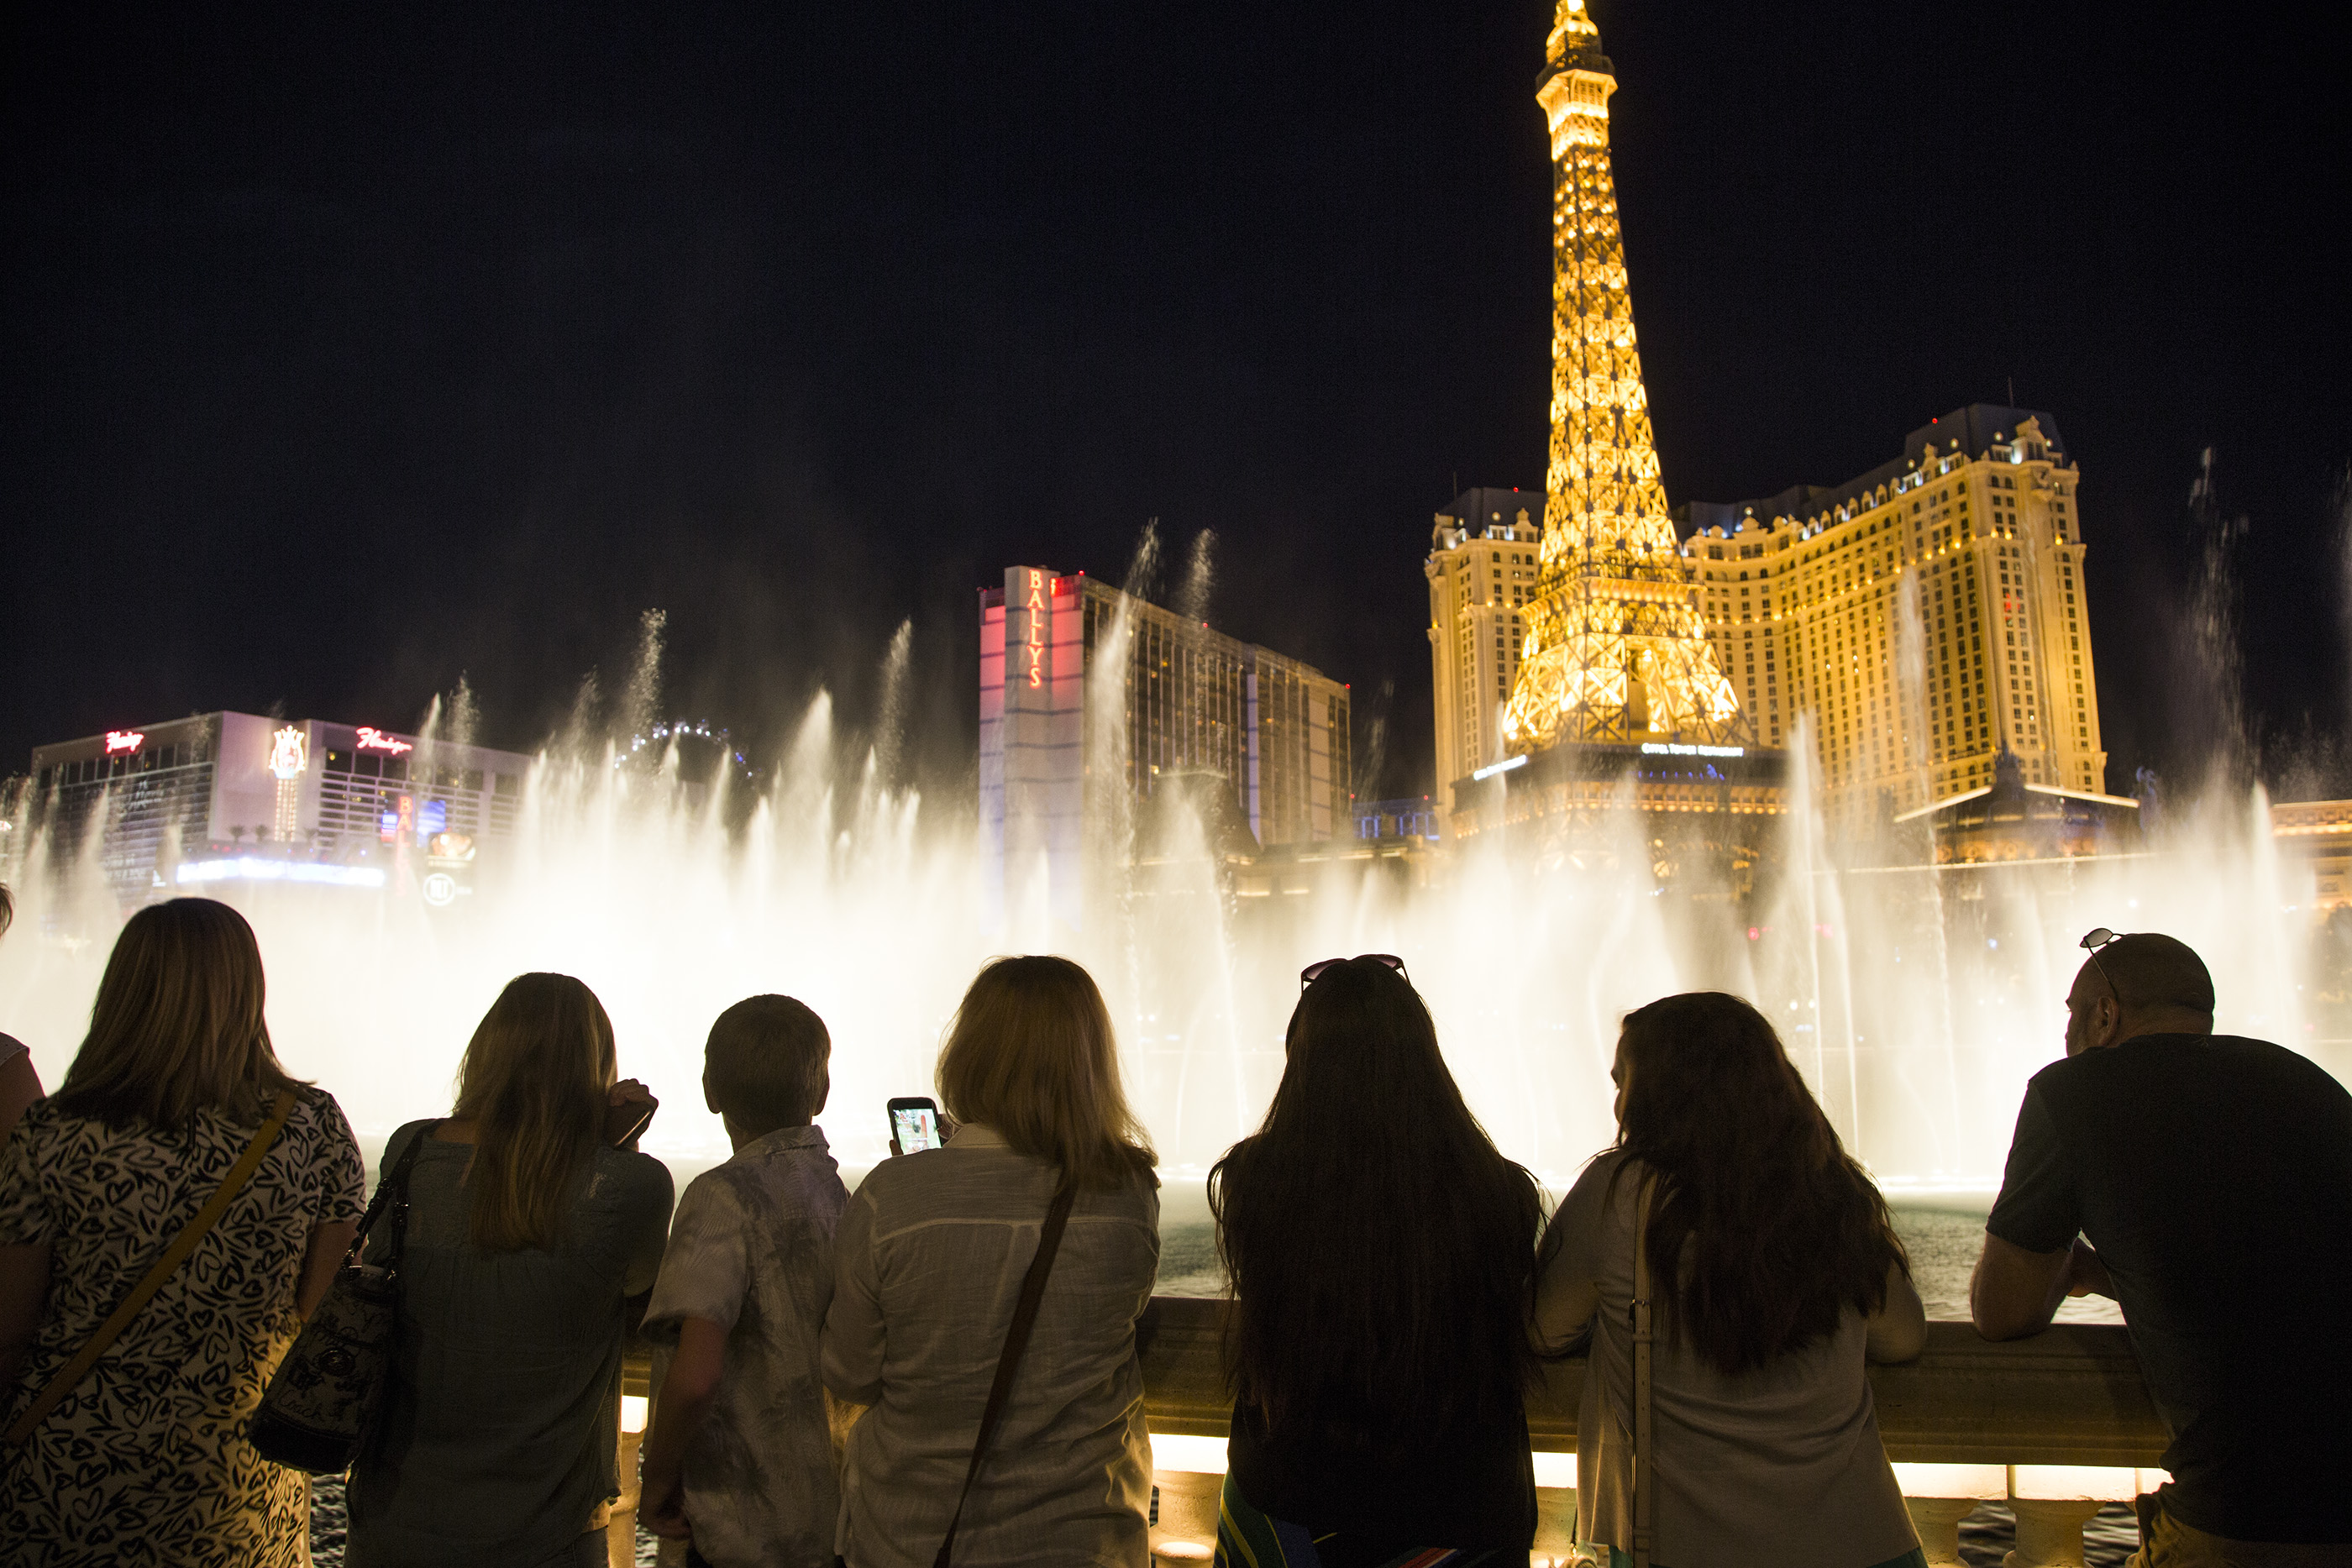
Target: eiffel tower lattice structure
point(1617, 650)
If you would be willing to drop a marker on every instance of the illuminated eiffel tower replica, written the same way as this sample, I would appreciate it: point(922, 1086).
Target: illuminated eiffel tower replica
point(1617, 676)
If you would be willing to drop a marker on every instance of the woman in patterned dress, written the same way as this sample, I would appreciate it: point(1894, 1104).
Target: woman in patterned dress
point(145, 1461)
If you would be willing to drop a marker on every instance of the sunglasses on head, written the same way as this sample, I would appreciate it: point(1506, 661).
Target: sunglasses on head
point(1307, 976)
point(2092, 944)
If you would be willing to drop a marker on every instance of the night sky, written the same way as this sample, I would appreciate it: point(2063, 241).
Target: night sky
point(350, 349)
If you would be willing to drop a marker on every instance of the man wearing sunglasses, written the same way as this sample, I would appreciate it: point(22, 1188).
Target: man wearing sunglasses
point(2204, 1181)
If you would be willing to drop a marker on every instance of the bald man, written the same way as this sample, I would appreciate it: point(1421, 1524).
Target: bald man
point(2204, 1181)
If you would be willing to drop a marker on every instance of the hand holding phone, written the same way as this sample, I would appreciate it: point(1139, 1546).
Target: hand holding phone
point(914, 1124)
point(628, 1109)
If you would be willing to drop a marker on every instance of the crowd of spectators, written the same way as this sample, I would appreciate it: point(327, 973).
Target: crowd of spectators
point(943, 1365)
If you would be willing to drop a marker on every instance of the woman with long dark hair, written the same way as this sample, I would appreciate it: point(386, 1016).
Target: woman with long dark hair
point(527, 1232)
point(142, 1458)
point(1776, 1272)
point(1381, 1255)
point(929, 1263)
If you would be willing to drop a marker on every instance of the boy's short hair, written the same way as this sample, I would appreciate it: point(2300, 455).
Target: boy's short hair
point(764, 1064)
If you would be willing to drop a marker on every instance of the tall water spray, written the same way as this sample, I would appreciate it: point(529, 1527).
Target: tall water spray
point(1916, 1000)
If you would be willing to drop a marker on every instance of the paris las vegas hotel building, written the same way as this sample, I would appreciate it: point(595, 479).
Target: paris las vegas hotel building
point(1927, 615)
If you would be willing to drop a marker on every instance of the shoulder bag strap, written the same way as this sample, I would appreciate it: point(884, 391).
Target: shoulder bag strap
point(391, 1188)
point(1645, 1492)
point(1016, 1340)
point(165, 1267)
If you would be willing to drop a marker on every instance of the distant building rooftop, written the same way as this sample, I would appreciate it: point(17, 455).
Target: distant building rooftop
point(1972, 430)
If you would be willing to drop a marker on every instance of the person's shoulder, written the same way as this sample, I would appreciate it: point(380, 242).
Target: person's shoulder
point(730, 1190)
point(404, 1134)
point(44, 1119)
point(1136, 1194)
point(318, 1110)
point(634, 1172)
point(1598, 1173)
point(2090, 1075)
point(2290, 1065)
point(896, 1175)
point(2182, 1065)
point(790, 1183)
point(58, 1129)
point(629, 1190)
point(1589, 1195)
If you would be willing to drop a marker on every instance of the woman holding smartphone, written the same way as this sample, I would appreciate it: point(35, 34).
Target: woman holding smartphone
point(929, 1262)
point(1381, 1252)
point(532, 1224)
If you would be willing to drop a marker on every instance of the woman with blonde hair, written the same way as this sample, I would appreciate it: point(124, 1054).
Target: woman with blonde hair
point(1040, 1215)
point(181, 1172)
point(532, 1224)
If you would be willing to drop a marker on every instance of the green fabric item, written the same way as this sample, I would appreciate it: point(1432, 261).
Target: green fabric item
point(495, 1443)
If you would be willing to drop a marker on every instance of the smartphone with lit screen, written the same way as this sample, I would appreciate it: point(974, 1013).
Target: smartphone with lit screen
point(914, 1124)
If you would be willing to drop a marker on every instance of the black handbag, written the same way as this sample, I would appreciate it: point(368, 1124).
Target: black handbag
point(317, 1411)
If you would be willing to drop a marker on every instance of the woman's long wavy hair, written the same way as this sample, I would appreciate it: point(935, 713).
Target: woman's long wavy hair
point(1380, 1248)
point(1031, 1054)
point(177, 1027)
point(1784, 1230)
point(534, 1081)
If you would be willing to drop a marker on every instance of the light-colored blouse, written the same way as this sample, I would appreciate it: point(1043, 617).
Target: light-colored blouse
point(1780, 1466)
point(928, 1263)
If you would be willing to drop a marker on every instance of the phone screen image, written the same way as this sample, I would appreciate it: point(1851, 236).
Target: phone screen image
point(916, 1126)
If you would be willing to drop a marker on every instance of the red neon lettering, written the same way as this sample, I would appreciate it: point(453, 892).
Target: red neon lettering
point(118, 741)
point(1036, 609)
point(376, 741)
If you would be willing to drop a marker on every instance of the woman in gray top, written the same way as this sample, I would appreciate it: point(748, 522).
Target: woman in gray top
point(928, 1265)
point(527, 1232)
point(1775, 1274)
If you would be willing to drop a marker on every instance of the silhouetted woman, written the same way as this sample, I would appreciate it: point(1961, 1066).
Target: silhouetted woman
point(1381, 1252)
point(528, 1233)
point(145, 1460)
point(1774, 1272)
point(927, 1267)
point(20, 1084)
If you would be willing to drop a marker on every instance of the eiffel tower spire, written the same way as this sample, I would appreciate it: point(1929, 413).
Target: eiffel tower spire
point(1616, 649)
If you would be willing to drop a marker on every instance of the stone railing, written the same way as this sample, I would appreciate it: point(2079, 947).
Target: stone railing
point(2055, 1426)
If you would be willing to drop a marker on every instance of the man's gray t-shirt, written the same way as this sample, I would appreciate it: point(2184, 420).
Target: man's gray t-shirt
point(752, 1251)
point(495, 1444)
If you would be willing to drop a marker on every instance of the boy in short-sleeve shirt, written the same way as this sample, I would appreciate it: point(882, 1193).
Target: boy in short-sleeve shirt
point(740, 1458)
